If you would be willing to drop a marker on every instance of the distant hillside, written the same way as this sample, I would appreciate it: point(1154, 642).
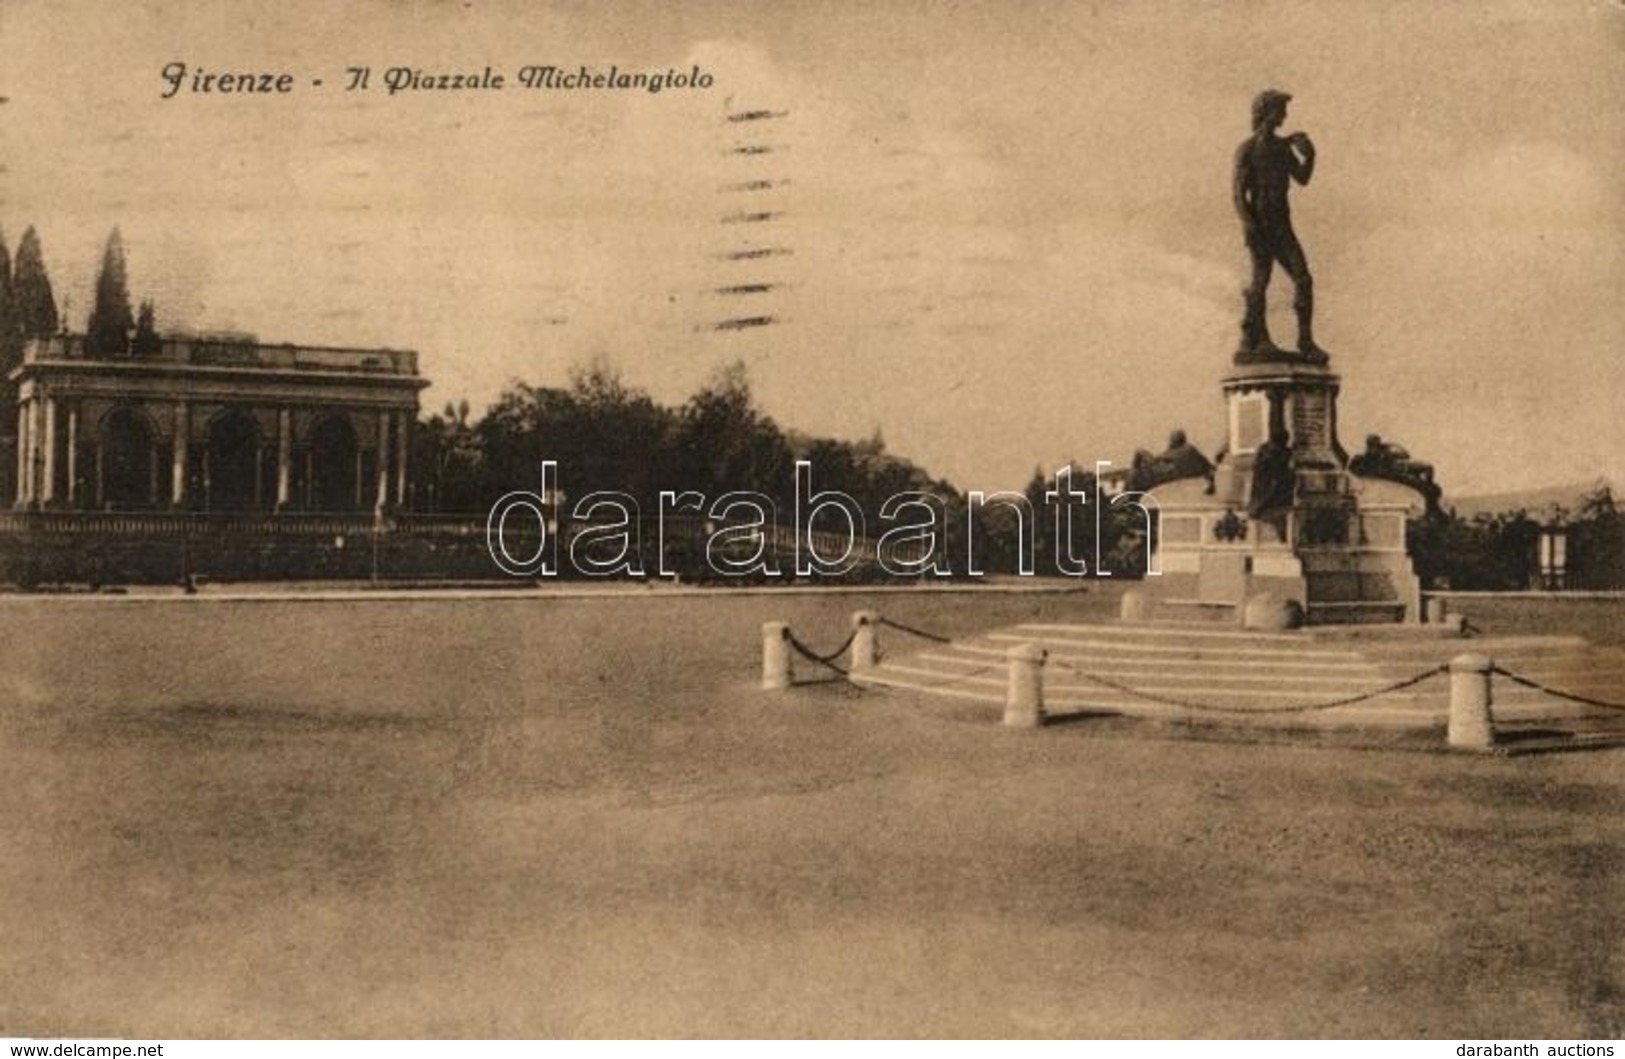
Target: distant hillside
point(1538, 502)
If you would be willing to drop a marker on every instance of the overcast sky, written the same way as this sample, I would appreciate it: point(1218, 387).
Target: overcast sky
point(1003, 231)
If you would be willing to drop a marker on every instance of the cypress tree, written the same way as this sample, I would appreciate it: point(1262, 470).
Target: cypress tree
point(32, 300)
point(108, 332)
point(146, 342)
point(11, 336)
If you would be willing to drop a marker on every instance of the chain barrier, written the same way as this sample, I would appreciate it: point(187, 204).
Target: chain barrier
point(1205, 707)
point(824, 660)
point(1188, 704)
point(814, 656)
point(1555, 692)
point(921, 633)
point(828, 660)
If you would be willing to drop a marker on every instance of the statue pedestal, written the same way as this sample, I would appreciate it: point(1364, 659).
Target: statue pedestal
point(1283, 516)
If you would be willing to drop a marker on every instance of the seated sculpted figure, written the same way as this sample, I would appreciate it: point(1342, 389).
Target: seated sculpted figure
point(1383, 459)
point(1180, 460)
point(1273, 481)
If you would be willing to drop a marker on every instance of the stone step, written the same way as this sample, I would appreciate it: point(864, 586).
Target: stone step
point(1391, 639)
point(1199, 613)
point(1234, 649)
point(1363, 612)
point(1161, 631)
point(1154, 653)
point(1261, 678)
point(1520, 648)
point(1191, 685)
point(1065, 694)
point(1208, 669)
point(1063, 698)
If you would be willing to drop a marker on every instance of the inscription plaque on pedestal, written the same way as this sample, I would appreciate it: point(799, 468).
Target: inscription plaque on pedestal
point(1249, 422)
point(1311, 420)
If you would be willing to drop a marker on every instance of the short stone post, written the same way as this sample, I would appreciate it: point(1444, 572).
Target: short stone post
point(1024, 696)
point(864, 646)
point(775, 656)
point(1436, 610)
point(1470, 727)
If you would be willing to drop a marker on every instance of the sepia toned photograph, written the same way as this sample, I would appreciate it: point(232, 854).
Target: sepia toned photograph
point(907, 520)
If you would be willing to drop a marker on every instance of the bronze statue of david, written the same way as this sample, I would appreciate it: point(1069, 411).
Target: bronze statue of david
point(1266, 166)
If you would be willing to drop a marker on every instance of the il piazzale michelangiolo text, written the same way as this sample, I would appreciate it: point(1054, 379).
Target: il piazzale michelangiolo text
point(191, 79)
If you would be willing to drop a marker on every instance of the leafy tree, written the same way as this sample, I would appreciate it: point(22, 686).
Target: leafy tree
point(610, 436)
point(606, 435)
point(602, 433)
point(1497, 552)
point(448, 462)
point(1491, 553)
point(1121, 548)
point(1596, 549)
point(107, 334)
point(1428, 539)
point(724, 443)
point(509, 441)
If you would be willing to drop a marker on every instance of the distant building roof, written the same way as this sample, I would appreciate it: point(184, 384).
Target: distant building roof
point(211, 352)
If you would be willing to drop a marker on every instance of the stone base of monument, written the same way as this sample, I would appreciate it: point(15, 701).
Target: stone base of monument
point(1283, 533)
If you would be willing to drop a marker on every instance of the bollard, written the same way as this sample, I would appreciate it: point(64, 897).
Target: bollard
point(1436, 610)
point(864, 647)
point(1470, 727)
point(1024, 697)
point(775, 656)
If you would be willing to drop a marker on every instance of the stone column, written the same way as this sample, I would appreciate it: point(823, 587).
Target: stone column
point(403, 449)
point(383, 461)
point(31, 446)
point(259, 474)
point(183, 437)
point(21, 499)
point(48, 470)
point(284, 458)
point(73, 456)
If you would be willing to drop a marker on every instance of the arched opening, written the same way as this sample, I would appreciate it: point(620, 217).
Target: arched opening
point(231, 474)
point(332, 479)
point(127, 460)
